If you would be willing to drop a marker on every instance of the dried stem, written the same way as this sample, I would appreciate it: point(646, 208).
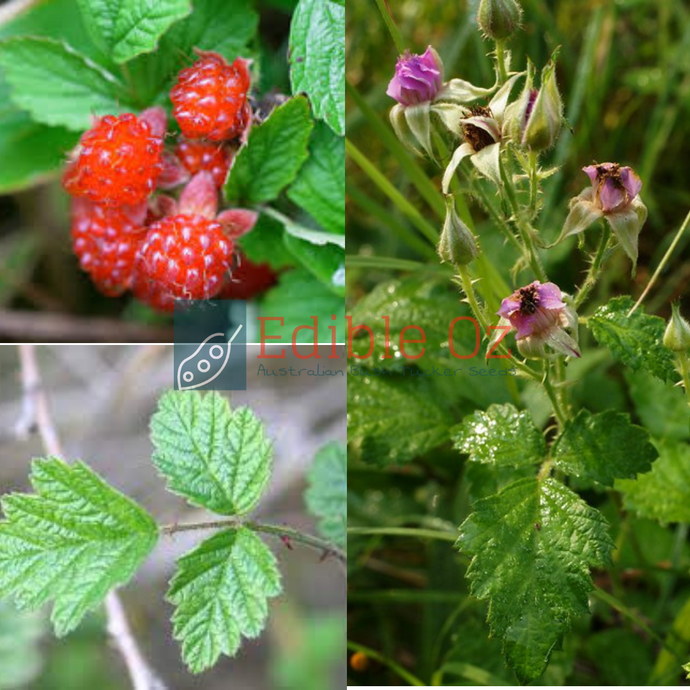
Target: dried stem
point(36, 414)
point(287, 534)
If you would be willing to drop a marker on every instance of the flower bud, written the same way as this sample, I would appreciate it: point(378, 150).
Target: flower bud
point(457, 245)
point(418, 78)
point(499, 19)
point(677, 335)
point(536, 122)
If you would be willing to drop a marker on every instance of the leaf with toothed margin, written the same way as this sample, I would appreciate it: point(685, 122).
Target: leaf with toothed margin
point(326, 496)
point(532, 546)
point(215, 457)
point(220, 591)
point(72, 541)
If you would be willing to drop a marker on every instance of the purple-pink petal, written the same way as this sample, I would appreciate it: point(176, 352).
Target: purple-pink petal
point(549, 296)
point(508, 306)
point(612, 196)
point(418, 78)
point(631, 182)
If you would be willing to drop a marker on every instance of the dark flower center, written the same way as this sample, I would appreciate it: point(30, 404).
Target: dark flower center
point(477, 137)
point(613, 173)
point(529, 300)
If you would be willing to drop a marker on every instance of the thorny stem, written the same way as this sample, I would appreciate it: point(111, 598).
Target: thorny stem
point(594, 267)
point(684, 372)
point(36, 412)
point(553, 396)
point(533, 183)
point(501, 62)
point(287, 533)
point(661, 266)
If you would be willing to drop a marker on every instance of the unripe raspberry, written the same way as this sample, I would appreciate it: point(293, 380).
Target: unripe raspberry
point(118, 163)
point(106, 241)
point(210, 98)
point(197, 156)
point(187, 256)
point(499, 19)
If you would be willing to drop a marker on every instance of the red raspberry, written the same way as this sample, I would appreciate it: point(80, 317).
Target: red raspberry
point(248, 280)
point(209, 98)
point(149, 292)
point(186, 255)
point(196, 156)
point(106, 241)
point(118, 163)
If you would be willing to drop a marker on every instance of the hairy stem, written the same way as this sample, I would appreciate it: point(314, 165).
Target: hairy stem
point(501, 62)
point(594, 267)
point(288, 534)
point(36, 413)
point(392, 27)
point(416, 532)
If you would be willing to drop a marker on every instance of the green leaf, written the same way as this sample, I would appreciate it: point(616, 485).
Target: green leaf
point(603, 447)
point(126, 28)
point(501, 436)
point(31, 152)
point(273, 155)
point(326, 262)
point(264, 244)
point(531, 547)
point(317, 58)
point(326, 496)
point(394, 418)
point(320, 186)
point(20, 658)
point(215, 457)
point(634, 340)
point(664, 493)
point(297, 297)
point(57, 85)
point(220, 590)
point(73, 541)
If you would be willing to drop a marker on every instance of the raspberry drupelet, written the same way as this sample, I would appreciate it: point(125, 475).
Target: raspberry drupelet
point(196, 156)
point(210, 98)
point(118, 162)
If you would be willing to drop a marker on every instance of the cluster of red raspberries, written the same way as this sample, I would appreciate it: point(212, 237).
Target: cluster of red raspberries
point(130, 236)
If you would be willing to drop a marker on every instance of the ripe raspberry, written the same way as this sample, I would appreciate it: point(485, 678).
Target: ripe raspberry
point(118, 163)
point(248, 280)
point(106, 241)
point(196, 156)
point(210, 98)
point(150, 292)
point(186, 255)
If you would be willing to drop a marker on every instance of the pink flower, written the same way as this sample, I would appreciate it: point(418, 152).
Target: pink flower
point(541, 318)
point(614, 186)
point(418, 78)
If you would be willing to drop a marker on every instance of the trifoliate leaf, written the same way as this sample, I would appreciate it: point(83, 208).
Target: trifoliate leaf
point(664, 493)
point(127, 28)
point(73, 541)
point(603, 447)
point(20, 657)
point(532, 546)
point(320, 186)
point(220, 590)
point(276, 150)
point(317, 58)
point(635, 340)
point(215, 457)
point(394, 418)
point(501, 435)
point(57, 85)
point(326, 496)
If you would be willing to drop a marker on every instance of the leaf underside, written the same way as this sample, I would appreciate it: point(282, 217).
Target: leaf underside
point(326, 496)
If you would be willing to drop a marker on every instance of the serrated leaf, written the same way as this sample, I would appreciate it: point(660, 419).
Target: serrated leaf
point(394, 418)
point(531, 547)
point(73, 541)
point(320, 186)
point(221, 590)
point(326, 496)
point(57, 85)
point(603, 447)
point(264, 244)
point(326, 262)
point(297, 297)
point(634, 340)
point(317, 58)
point(127, 28)
point(20, 657)
point(274, 153)
point(501, 436)
point(664, 493)
point(215, 457)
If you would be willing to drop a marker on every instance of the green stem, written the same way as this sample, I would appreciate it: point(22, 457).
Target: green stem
point(553, 397)
point(382, 182)
point(392, 665)
point(501, 62)
point(663, 263)
point(390, 23)
point(292, 535)
point(391, 263)
point(594, 267)
point(415, 532)
point(684, 372)
point(533, 183)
